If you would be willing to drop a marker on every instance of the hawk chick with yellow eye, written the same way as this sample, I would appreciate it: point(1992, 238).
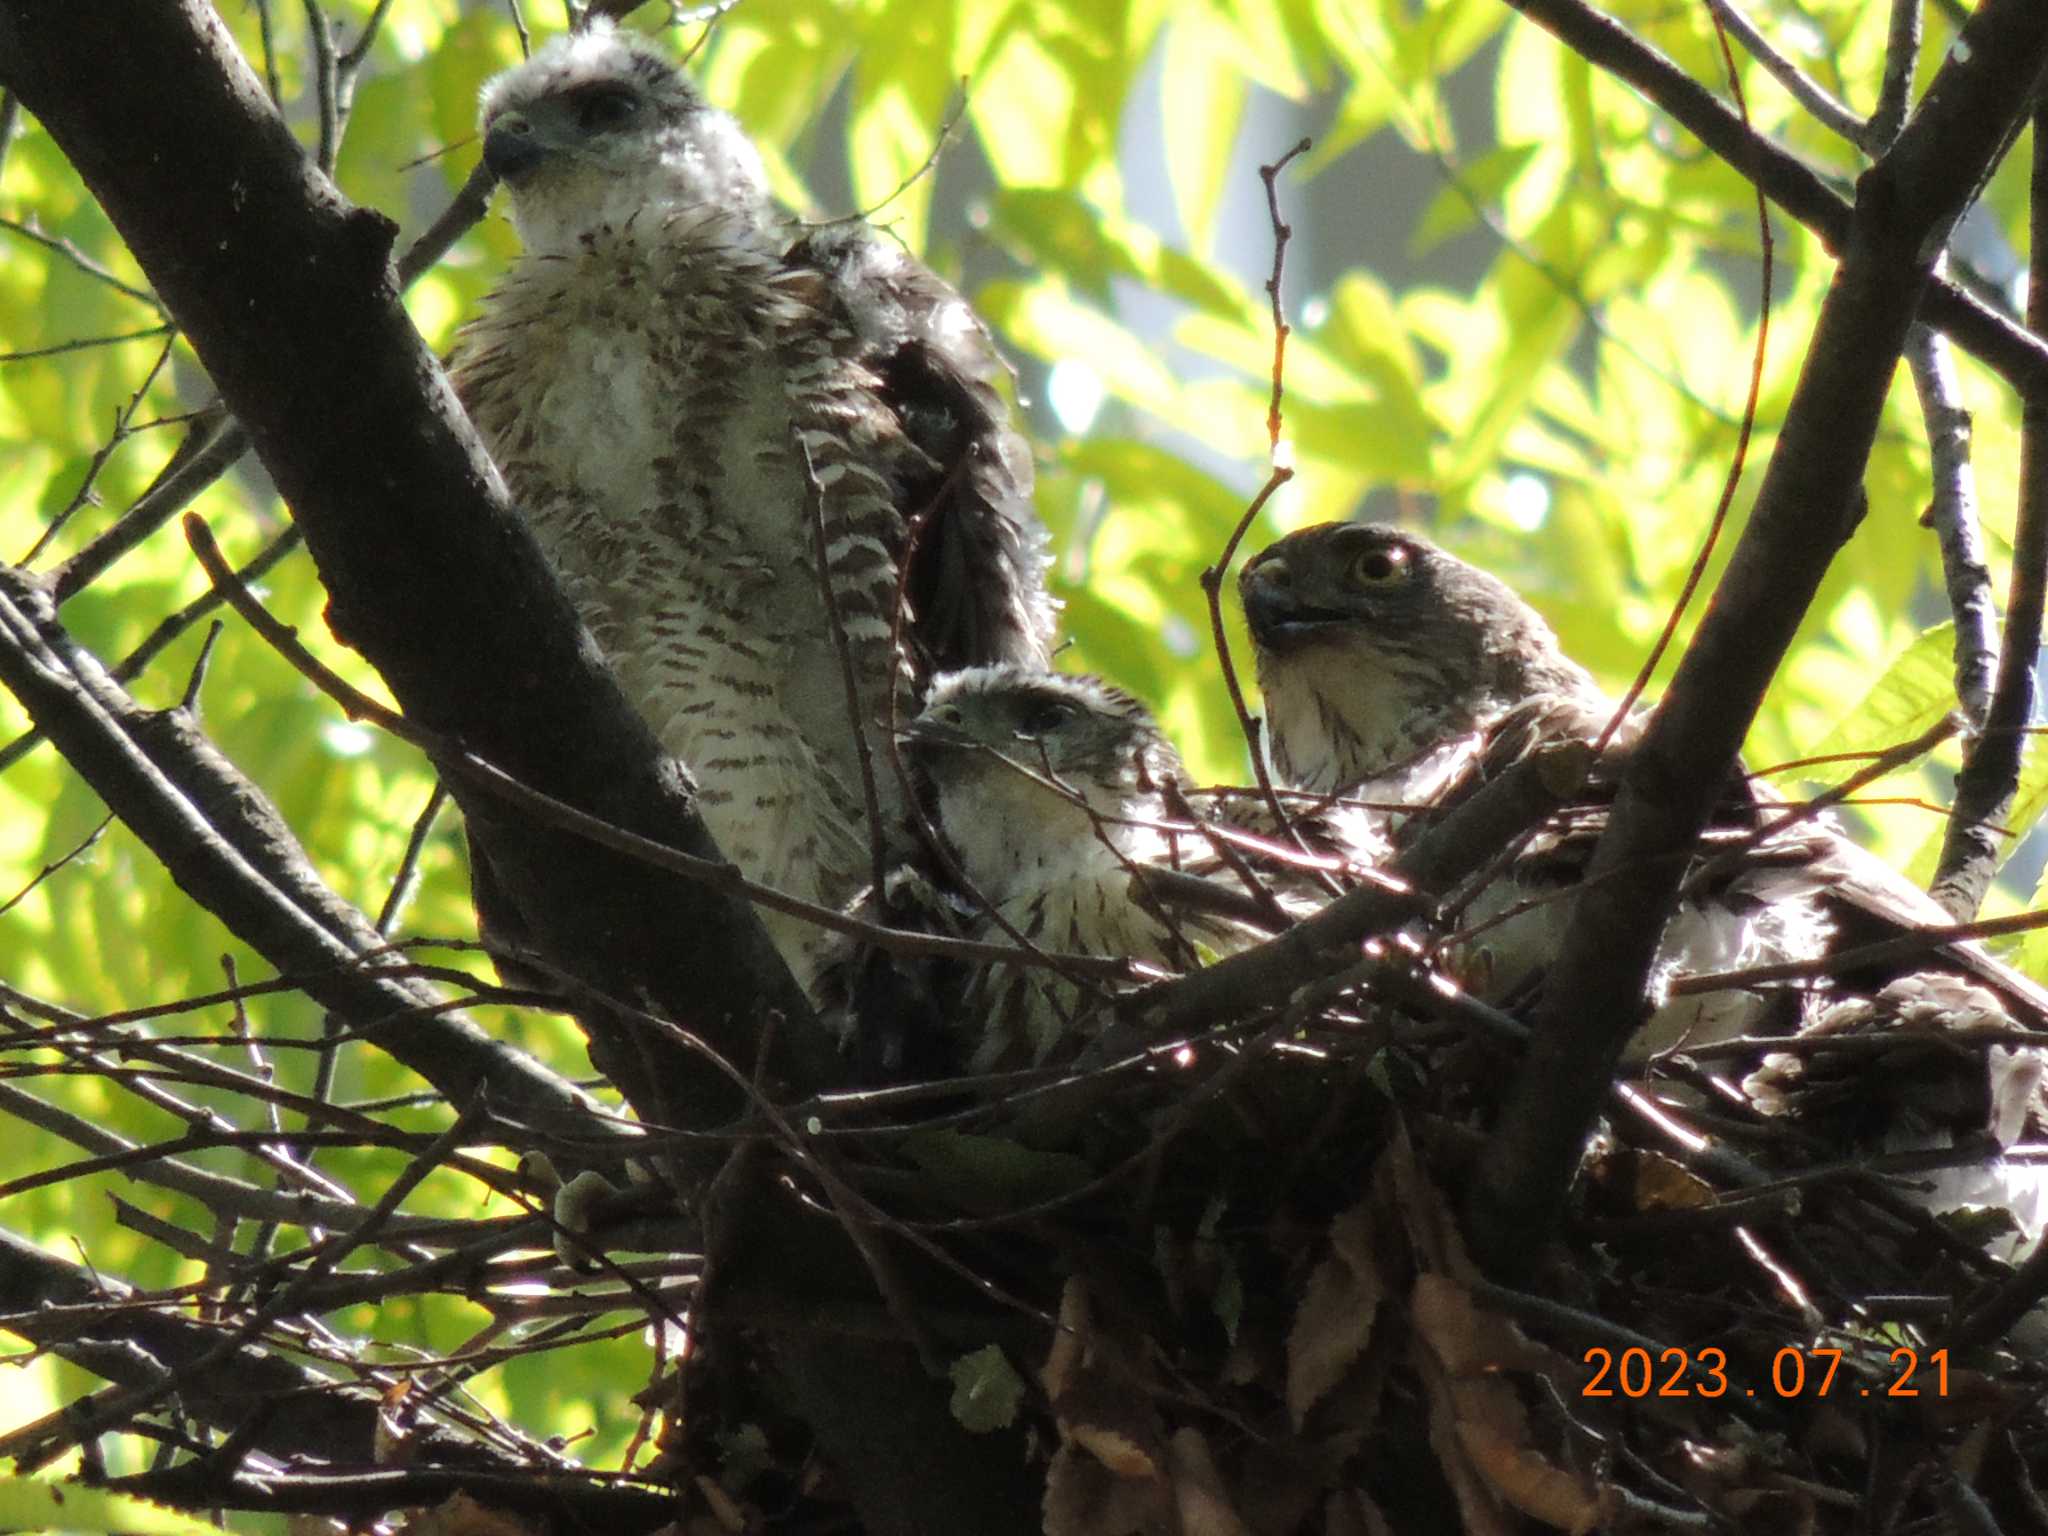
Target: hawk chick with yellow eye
point(670, 373)
point(1394, 669)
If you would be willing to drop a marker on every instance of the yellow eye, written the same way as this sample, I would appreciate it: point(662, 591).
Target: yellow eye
point(1379, 566)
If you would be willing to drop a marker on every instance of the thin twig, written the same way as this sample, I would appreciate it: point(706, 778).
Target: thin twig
point(167, 629)
point(28, 229)
point(2005, 347)
point(188, 701)
point(1912, 945)
point(83, 847)
point(1819, 102)
point(924, 167)
point(327, 102)
point(357, 53)
point(85, 343)
point(1887, 762)
point(267, 35)
point(101, 454)
point(1895, 92)
point(1213, 577)
point(407, 877)
point(219, 445)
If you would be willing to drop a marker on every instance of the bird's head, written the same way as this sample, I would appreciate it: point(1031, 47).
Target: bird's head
point(1374, 645)
point(1007, 746)
point(600, 126)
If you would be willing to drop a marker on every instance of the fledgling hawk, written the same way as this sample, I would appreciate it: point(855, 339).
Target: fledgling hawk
point(1396, 672)
point(671, 376)
point(1049, 796)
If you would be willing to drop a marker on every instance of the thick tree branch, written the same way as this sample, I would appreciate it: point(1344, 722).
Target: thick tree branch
point(2021, 358)
point(1990, 777)
point(1806, 508)
point(287, 294)
point(228, 849)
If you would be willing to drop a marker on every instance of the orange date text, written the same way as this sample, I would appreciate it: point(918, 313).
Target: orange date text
point(1813, 1372)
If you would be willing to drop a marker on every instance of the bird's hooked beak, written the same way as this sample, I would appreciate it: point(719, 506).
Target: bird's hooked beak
point(929, 733)
point(1277, 617)
point(517, 144)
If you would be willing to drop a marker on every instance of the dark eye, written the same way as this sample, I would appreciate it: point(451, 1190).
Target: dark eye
point(1380, 565)
point(1043, 716)
point(605, 108)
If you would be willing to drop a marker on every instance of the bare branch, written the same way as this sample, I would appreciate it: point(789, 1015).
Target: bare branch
point(1895, 92)
point(1990, 773)
point(1819, 102)
point(1952, 513)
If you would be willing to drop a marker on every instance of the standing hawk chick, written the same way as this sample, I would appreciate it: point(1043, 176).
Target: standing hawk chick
point(1393, 668)
point(1389, 664)
point(669, 375)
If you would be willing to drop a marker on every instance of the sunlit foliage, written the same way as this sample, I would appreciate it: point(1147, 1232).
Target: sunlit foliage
point(1550, 373)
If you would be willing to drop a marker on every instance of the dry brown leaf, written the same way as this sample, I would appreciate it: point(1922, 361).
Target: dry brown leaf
point(1463, 1351)
point(1353, 1513)
point(1479, 1511)
point(1085, 1498)
point(1334, 1322)
point(1069, 1339)
point(722, 1506)
point(1122, 1453)
point(1205, 1505)
point(1098, 1402)
point(1431, 1226)
point(1774, 1512)
point(1470, 1340)
point(1664, 1184)
point(1529, 1482)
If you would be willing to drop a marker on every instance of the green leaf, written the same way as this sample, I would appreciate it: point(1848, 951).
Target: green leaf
point(27, 1504)
point(1202, 94)
point(986, 1391)
point(1916, 689)
point(1478, 184)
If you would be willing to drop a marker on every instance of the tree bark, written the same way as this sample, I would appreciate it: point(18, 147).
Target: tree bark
point(286, 292)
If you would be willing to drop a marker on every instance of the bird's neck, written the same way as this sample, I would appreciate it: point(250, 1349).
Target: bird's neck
point(1015, 837)
point(1339, 728)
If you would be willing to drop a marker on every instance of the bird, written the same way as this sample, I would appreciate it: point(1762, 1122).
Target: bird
point(689, 392)
point(1052, 797)
point(1396, 672)
point(1393, 670)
